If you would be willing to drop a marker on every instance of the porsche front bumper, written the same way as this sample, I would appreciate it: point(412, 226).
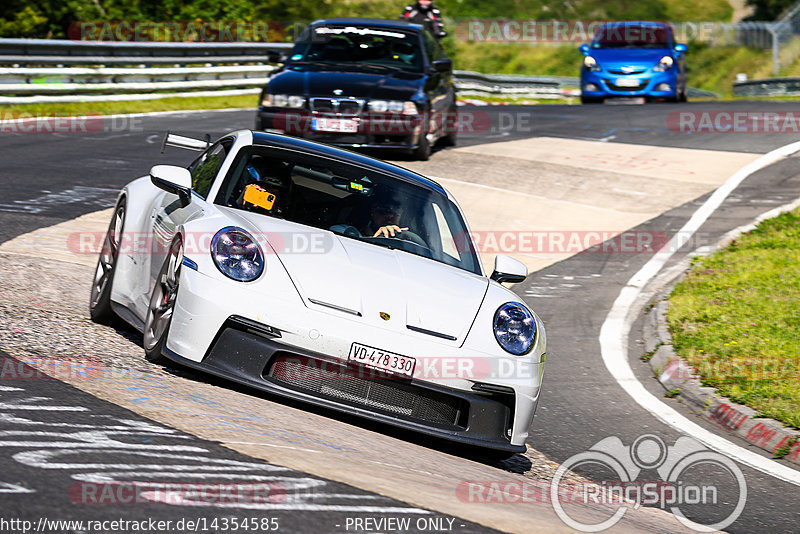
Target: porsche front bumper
point(256, 357)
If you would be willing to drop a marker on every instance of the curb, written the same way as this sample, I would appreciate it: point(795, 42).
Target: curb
point(675, 373)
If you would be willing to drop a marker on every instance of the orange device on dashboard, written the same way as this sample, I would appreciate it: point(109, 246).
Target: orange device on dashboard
point(258, 196)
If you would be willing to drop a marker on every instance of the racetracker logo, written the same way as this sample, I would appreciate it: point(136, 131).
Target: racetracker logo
point(575, 241)
point(32, 123)
point(527, 31)
point(140, 243)
point(704, 490)
point(50, 368)
point(738, 121)
point(192, 494)
point(395, 366)
point(464, 122)
point(186, 31)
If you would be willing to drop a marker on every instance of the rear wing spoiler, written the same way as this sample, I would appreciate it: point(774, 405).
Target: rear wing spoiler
point(189, 143)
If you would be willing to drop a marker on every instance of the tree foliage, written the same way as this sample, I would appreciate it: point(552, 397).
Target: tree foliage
point(52, 18)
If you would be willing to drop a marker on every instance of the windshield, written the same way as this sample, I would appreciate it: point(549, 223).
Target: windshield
point(359, 45)
point(631, 36)
point(350, 201)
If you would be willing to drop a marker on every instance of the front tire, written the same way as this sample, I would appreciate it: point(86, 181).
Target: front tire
point(100, 309)
point(423, 150)
point(162, 305)
point(451, 128)
point(591, 100)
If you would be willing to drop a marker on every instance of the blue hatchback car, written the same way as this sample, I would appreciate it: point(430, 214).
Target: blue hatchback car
point(633, 59)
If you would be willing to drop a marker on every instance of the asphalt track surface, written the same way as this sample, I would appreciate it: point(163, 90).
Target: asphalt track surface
point(57, 177)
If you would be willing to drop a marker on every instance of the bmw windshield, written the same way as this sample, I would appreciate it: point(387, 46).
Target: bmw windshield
point(359, 46)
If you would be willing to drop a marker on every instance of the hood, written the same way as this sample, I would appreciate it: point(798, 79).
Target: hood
point(632, 57)
point(359, 281)
point(323, 80)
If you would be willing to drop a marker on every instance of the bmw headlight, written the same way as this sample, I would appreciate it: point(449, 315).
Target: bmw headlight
point(283, 101)
point(591, 63)
point(393, 106)
point(514, 328)
point(237, 255)
point(664, 63)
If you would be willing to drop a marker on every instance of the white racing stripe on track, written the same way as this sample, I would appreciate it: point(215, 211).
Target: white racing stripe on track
point(615, 329)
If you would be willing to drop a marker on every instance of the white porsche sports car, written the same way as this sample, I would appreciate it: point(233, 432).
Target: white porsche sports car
point(327, 276)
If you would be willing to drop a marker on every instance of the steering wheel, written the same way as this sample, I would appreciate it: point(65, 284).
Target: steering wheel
point(408, 235)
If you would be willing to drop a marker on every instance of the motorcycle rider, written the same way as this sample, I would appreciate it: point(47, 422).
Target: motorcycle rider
point(424, 13)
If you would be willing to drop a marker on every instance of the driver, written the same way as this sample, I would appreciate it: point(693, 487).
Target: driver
point(384, 217)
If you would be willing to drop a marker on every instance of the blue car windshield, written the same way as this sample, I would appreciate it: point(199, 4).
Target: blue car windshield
point(632, 36)
point(359, 46)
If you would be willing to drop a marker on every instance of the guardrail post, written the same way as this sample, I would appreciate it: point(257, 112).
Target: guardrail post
point(775, 49)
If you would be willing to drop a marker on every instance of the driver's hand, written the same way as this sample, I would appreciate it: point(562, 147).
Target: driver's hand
point(385, 231)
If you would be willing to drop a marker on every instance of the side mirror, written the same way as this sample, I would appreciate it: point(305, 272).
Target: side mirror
point(276, 56)
point(443, 65)
point(173, 179)
point(584, 48)
point(507, 269)
point(681, 48)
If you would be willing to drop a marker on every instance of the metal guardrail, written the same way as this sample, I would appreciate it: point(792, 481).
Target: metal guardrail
point(768, 87)
point(38, 70)
point(22, 52)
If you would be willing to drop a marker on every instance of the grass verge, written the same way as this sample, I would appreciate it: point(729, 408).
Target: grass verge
point(736, 319)
point(133, 106)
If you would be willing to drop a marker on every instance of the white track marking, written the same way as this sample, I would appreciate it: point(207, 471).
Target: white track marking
point(615, 329)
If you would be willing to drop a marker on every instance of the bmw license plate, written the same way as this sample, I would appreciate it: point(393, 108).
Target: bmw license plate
point(326, 124)
point(382, 360)
point(627, 82)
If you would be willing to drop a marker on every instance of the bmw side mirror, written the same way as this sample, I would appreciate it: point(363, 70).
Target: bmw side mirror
point(276, 56)
point(584, 48)
point(507, 269)
point(681, 48)
point(443, 65)
point(173, 179)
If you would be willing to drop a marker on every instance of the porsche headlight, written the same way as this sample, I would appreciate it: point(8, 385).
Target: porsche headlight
point(591, 63)
point(514, 328)
point(237, 255)
point(393, 106)
point(283, 101)
point(664, 63)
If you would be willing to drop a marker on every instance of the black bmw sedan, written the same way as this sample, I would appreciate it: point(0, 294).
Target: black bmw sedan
point(364, 83)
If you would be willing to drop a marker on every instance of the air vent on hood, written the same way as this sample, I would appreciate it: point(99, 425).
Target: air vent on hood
point(431, 332)
point(335, 307)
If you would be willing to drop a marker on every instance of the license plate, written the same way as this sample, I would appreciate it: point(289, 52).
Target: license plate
point(382, 360)
point(627, 82)
point(324, 124)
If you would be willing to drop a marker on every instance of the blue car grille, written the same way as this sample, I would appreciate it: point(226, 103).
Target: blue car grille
point(642, 85)
point(637, 71)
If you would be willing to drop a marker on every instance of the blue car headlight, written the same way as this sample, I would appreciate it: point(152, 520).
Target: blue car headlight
point(664, 64)
point(514, 328)
point(237, 255)
point(591, 64)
